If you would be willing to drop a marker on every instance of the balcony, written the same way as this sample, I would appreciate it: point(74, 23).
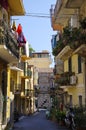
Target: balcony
point(16, 7)
point(72, 40)
point(65, 79)
point(17, 89)
point(27, 74)
point(8, 44)
point(65, 53)
point(29, 93)
point(60, 15)
point(81, 50)
point(74, 3)
point(22, 54)
point(62, 50)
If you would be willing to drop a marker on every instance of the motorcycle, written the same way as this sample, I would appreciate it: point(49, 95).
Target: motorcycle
point(47, 114)
point(69, 120)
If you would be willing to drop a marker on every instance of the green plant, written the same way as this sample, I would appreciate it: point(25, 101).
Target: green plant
point(52, 113)
point(60, 115)
point(80, 120)
point(83, 23)
point(80, 117)
point(58, 47)
point(72, 37)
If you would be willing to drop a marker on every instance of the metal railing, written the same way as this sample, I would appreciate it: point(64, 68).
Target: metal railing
point(8, 39)
point(17, 88)
point(29, 93)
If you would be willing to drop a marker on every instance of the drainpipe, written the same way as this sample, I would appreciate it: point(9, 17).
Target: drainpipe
point(1, 109)
point(85, 82)
point(84, 71)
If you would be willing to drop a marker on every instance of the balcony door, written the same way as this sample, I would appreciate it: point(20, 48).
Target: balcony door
point(4, 94)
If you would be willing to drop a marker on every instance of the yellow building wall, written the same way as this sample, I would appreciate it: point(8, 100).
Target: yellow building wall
point(11, 74)
point(78, 89)
point(40, 62)
point(76, 92)
point(14, 75)
point(75, 63)
point(8, 93)
point(31, 87)
point(83, 10)
point(65, 65)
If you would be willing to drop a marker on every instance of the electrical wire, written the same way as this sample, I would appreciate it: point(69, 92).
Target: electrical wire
point(40, 15)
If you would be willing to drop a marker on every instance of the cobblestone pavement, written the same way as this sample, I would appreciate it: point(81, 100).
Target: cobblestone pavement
point(37, 121)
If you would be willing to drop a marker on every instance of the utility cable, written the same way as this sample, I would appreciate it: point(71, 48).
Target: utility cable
point(40, 15)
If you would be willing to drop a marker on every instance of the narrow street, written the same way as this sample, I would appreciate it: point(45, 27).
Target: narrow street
point(37, 121)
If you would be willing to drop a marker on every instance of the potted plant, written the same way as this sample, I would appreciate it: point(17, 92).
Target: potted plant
point(80, 118)
point(60, 116)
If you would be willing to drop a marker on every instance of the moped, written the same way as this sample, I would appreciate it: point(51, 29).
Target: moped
point(69, 120)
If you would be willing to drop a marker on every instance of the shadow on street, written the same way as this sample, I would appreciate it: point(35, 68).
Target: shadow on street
point(37, 121)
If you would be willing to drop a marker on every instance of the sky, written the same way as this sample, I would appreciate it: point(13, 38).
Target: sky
point(37, 31)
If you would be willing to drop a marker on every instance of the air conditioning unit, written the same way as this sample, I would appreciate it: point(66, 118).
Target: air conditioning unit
point(74, 22)
point(73, 80)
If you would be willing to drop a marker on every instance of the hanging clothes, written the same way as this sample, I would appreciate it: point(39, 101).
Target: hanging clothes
point(21, 38)
point(14, 26)
point(19, 29)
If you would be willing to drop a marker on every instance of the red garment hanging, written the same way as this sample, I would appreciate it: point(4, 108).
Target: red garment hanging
point(19, 29)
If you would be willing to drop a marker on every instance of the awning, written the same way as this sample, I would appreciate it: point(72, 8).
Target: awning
point(15, 68)
point(74, 3)
point(16, 7)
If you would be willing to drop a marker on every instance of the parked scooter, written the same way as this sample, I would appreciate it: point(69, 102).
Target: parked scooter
point(47, 114)
point(69, 119)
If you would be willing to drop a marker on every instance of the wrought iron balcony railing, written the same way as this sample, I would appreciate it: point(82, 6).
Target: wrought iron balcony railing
point(28, 73)
point(8, 39)
point(29, 93)
point(64, 78)
point(17, 88)
point(73, 37)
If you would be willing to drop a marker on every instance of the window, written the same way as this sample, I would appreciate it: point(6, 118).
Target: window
point(70, 99)
point(39, 56)
point(70, 64)
point(79, 64)
point(80, 100)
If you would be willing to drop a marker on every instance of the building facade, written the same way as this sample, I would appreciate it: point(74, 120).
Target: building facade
point(9, 55)
point(68, 17)
point(16, 80)
point(45, 83)
point(42, 61)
